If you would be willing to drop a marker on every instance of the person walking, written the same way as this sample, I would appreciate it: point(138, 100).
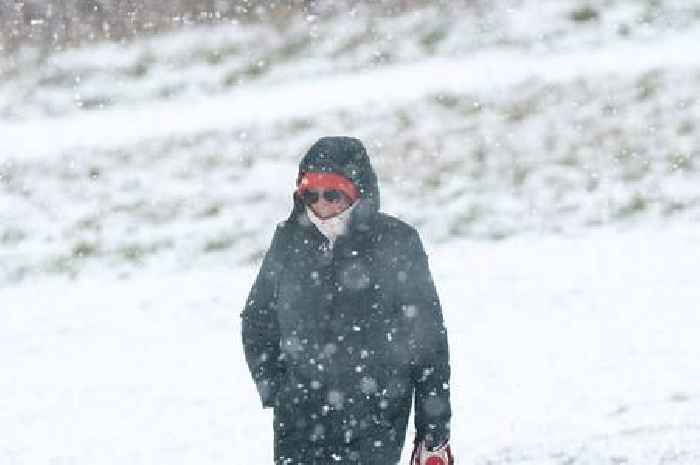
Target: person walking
point(343, 326)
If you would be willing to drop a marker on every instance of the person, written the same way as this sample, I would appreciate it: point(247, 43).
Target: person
point(343, 325)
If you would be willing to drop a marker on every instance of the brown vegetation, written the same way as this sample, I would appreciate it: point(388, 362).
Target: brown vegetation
point(51, 25)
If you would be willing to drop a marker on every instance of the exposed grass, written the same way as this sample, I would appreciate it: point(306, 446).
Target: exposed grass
point(141, 67)
point(211, 211)
point(137, 253)
point(432, 39)
point(84, 249)
point(649, 85)
point(584, 14)
point(12, 236)
point(222, 242)
point(95, 103)
point(219, 55)
point(636, 205)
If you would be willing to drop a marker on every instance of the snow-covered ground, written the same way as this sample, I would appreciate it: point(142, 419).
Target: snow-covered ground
point(546, 150)
point(569, 350)
point(489, 72)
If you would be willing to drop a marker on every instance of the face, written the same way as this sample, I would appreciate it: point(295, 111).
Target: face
point(327, 206)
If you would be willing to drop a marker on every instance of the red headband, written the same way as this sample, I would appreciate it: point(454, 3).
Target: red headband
point(328, 181)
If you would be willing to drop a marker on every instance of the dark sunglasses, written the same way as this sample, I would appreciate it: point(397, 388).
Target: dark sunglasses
point(311, 197)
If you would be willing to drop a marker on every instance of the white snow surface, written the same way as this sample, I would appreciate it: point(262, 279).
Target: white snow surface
point(576, 350)
point(490, 71)
point(551, 168)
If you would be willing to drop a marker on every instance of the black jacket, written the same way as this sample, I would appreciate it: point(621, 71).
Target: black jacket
point(339, 341)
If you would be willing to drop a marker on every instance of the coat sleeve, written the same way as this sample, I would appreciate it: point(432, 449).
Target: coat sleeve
point(430, 367)
point(260, 326)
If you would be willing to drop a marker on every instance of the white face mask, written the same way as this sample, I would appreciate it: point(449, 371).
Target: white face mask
point(334, 226)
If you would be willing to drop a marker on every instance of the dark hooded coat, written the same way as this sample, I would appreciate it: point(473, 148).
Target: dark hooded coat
point(339, 340)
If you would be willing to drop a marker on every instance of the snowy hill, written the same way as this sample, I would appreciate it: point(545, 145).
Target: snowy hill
point(539, 117)
point(547, 151)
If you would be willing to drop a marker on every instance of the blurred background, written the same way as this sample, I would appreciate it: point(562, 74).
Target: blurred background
point(161, 123)
point(547, 150)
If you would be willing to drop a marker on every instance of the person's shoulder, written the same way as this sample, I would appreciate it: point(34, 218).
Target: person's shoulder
point(283, 229)
point(388, 224)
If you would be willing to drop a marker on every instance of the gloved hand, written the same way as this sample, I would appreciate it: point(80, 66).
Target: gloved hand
point(423, 455)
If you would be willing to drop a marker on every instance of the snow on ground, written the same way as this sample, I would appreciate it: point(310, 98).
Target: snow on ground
point(492, 71)
point(209, 61)
point(547, 152)
point(568, 350)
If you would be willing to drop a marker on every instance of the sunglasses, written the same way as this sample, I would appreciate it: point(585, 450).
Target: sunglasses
point(332, 196)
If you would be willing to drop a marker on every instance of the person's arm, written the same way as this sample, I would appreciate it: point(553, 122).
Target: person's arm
point(428, 344)
point(260, 327)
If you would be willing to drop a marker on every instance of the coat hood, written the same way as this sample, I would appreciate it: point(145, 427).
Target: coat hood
point(347, 157)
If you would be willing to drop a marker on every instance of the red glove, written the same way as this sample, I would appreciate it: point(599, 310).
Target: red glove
point(423, 455)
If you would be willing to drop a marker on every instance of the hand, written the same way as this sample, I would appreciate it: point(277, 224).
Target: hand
point(423, 455)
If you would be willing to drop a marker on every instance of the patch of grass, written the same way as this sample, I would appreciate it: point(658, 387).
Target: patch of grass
point(382, 57)
point(12, 236)
point(637, 204)
point(140, 68)
point(520, 111)
point(471, 108)
point(84, 249)
point(211, 211)
point(94, 172)
point(592, 183)
point(635, 169)
point(433, 181)
point(673, 207)
point(679, 162)
point(132, 252)
point(584, 14)
point(220, 243)
point(686, 127)
point(520, 174)
point(570, 160)
point(62, 265)
point(404, 120)
point(58, 79)
point(649, 85)
point(95, 103)
point(161, 213)
point(232, 78)
point(88, 223)
point(7, 174)
point(136, 253)
point(350, 45)
point(499, 233)
point(293, 48)
point(211, 161)
point(297, 125)
point(216, 56)
point(257, 69)
point(171, 90)
point(449, 101)
point(431, 39)
point(462, 225)
point(623, 30)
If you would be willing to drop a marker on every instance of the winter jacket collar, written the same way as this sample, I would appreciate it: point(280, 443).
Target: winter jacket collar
point(332, 227)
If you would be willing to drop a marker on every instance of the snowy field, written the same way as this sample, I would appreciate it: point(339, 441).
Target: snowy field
point(547, 152)
point(578, 350)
